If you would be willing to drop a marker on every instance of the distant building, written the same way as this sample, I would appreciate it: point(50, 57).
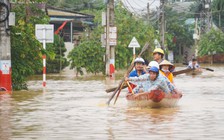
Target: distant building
point(74, 23)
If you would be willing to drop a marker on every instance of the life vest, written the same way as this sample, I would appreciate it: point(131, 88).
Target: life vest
point(169, 75)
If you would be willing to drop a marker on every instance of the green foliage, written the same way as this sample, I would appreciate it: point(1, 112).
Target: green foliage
point(77, 4)
point(176, 28)
point(56, 60)
point(218, 12)
point(128, 27)
point(88, 55)
point(26, 50)
point(212, 41)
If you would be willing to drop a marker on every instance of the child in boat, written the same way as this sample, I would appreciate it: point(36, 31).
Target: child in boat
point(165, 68)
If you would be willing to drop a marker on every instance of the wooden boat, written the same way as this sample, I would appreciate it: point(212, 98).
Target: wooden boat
point(195, 72)
point(153, 99)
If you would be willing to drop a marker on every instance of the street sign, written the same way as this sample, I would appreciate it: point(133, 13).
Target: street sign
point(134, 43)
point(103, 18)
point(5, 66)
point(113, 36)
point(44, 32)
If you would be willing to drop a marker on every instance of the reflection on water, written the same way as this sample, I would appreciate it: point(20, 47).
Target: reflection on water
point(74, 108)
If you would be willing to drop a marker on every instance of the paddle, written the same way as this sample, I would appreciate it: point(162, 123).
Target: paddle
point(114, 88)
point(174, 74)
point(208, 69)
point(127, 73)
point(202, 67)
point(182, 71)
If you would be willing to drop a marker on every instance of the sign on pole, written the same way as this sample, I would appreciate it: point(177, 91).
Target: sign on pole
point(45, 34)
point(134, 44)
point(48, 30)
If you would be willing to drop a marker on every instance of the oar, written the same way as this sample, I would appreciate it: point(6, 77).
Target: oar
point(201, 67)
point(174, 73)
point(182, 71)
point(127, 73)
point(208, 69)
point(114, 88)
point(118, 93)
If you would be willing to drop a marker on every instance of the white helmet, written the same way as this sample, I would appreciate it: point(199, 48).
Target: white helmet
point(153, 63)
point(139, 60)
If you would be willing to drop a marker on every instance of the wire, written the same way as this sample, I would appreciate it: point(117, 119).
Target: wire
point(138, 4)
point(134, 12)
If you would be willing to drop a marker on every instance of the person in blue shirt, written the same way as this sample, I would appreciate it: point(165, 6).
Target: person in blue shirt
point(139, 64)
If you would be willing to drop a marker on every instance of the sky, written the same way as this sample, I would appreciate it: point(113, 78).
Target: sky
point(140, 6)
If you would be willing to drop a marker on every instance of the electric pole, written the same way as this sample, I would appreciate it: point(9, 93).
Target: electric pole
point(148, 12)
point(205, 16)
point(107, 56)
point(5, 48)
point(162, 24)
point(111, 39)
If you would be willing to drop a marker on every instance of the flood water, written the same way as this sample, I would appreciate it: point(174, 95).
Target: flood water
point(74, 108)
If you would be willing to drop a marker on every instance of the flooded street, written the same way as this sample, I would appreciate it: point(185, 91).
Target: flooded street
point(73, 109)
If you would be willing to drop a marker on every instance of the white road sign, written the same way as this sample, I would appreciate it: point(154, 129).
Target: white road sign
point(134, 43)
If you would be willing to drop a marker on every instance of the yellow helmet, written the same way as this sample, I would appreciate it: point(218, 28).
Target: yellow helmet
point(158, 50)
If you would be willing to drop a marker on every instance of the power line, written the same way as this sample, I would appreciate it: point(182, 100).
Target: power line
point(135, 12)
point(138, 4)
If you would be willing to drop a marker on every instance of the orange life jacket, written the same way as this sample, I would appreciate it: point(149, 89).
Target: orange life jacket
point(169, 75)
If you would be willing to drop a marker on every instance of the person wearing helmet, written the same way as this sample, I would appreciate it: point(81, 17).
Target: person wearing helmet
point(166, 69)
point(153, 73)
point(158, 54)
point(151, 64)
point(139, 67)
point(151, 81)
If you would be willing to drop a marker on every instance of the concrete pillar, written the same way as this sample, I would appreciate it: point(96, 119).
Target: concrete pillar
point(5, 56)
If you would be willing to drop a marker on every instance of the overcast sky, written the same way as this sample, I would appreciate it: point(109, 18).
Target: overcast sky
point(140, 6)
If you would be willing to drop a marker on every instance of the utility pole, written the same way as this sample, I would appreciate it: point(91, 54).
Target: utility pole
point(205, 16)
point(107, 56)
point(110, 41)
point(162, 24)
point(148, 12)
point(5, 50)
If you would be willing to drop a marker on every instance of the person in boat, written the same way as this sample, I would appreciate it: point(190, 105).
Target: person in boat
point(151, 81)
point(153, 63)
point(158, 55)
point(165, 69)
point(139, 64)
point(194, 65)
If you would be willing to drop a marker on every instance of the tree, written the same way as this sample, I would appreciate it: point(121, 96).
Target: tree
point(211, 42)
point(56, 61)
point(218, 6)
point(77, 5)
point(26, 51)
point(128, 26)
point(178, 34)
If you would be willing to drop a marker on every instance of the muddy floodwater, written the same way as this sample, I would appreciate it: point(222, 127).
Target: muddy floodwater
point(73, 108)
